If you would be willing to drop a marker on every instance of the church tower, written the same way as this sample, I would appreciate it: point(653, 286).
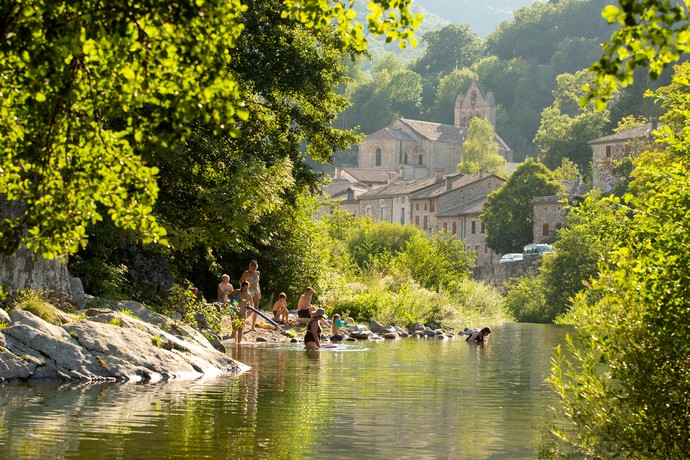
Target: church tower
point(474, 104)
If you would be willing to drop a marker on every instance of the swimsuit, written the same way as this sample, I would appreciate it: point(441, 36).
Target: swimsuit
point(309, 337)
point(303, 313)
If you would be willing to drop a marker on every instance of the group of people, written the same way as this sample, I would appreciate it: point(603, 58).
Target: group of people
point(244, 299)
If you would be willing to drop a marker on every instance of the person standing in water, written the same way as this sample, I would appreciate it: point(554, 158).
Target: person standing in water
point(252, 277)
point(312, 339)
point(480, 336)
point(243, 299)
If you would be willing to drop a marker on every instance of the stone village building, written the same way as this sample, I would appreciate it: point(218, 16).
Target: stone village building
point(416, 149)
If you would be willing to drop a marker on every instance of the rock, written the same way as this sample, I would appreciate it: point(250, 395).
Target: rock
point(261, 339)
point(364, 334)
point(390, 335)
point(4, 317)
point(79, 297)
point(375, 326)
point(416, 327)
point(107, 345)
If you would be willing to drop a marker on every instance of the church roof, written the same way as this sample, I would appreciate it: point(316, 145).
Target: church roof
point(425, 129)
point(401, 186)
point(469, 208)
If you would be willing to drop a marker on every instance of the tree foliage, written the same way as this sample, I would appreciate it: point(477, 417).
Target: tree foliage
point(93, 89)
point(480, 150)
point(508, 213)
point(625, 384)
point(651, 33)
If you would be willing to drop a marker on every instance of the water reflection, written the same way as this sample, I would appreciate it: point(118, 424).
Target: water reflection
point(402, 399)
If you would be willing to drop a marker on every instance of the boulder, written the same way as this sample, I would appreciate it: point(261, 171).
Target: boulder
point(107, 345)
point(4, 317)
point(375, 326)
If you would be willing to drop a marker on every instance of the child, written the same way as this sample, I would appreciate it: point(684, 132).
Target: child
point(336, 324)
point(280, 310)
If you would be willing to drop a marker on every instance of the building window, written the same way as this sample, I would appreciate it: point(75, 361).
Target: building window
point(455, 228)
point(426, 223)
point(378, 157)
point(474, 227)
point(405, 159)
point(402, 216)
point(416, 206)
point(383, 213)
point(420, 160)
point(350, 194)
point(426, 206)
point(609, 150)
point(432, 206)
point(445, 227)
point(416, 221)
point(545, 229)
point(482, 229)
point(558, 225)
point(368, 211)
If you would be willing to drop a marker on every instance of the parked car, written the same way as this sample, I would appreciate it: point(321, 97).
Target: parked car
point(536, 250)
point(511, 256)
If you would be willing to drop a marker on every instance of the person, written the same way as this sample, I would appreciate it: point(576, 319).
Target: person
point(280, 310)
point(479, 336)
point(252, 276)
point(242, 299)
point(304, 308)
point(336, 325)
point(312, 338)
point(225, 289)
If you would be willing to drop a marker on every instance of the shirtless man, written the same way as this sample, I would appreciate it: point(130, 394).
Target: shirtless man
point(225, 289)
point(304, 308)
point(252, 277)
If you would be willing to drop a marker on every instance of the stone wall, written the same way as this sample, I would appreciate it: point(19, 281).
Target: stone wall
point(498, 275)
point(25, 270)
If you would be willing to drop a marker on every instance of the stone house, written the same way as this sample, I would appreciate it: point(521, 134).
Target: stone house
point(391, 203)
point(416, 149)
point(550, 212)
point(607, 151)
point(454, 206)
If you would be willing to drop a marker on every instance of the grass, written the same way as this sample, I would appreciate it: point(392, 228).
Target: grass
point(34, 303)
point(115, 322)
point(157, 340)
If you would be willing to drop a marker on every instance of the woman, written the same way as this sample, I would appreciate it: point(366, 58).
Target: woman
point(479, 336)
point(312, 339)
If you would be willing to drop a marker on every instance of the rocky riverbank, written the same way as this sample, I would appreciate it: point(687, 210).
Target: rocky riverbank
point(121, 341)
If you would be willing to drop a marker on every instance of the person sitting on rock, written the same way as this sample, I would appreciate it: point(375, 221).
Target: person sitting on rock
point(479, 336)
point(337, 324)
point(304, 308)
point(280, 310)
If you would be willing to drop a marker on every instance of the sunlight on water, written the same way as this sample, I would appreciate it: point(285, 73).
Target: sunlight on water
point(395, 399)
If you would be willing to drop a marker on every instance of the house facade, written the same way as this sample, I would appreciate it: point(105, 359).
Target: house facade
point(607, 151)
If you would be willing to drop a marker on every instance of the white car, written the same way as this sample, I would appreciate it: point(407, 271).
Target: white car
point(510, 257)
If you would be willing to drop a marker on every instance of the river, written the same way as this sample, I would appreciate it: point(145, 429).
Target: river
point(409, 398)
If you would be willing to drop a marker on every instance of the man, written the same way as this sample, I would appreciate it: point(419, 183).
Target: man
point(225, 289)
point(304, 308)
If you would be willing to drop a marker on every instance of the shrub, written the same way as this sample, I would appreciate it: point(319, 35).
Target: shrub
point(34, 302)
point(102, 279)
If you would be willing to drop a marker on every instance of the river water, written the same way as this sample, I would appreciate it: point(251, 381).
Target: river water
point(406, 398)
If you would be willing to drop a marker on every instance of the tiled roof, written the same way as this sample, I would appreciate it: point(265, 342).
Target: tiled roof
point(575, 187)
point(632, 133)
point(340, 186)
point(401, 186)
point(470, 208)
point(369, 175)
point(457, 181)
point(436, 131)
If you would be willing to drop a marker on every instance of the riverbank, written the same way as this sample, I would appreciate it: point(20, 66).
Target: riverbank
point(119, 341)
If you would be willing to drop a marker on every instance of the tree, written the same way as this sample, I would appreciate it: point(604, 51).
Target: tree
point(566, 127)
point(508, 213)
point(480, 151)
point(624, 389)
point(653, 33)
point(92, 98)
point(449, 87)
point(453, 47)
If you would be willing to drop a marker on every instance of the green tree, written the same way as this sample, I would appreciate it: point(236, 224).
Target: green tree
point(566, 128)
point(480, 150)
point(453, 47)
point(624, 388)
point(651, 33)
point(449, 87)
point(508, 213)
point(92, 98)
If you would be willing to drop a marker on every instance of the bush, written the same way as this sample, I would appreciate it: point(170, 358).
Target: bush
point(102, 279)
